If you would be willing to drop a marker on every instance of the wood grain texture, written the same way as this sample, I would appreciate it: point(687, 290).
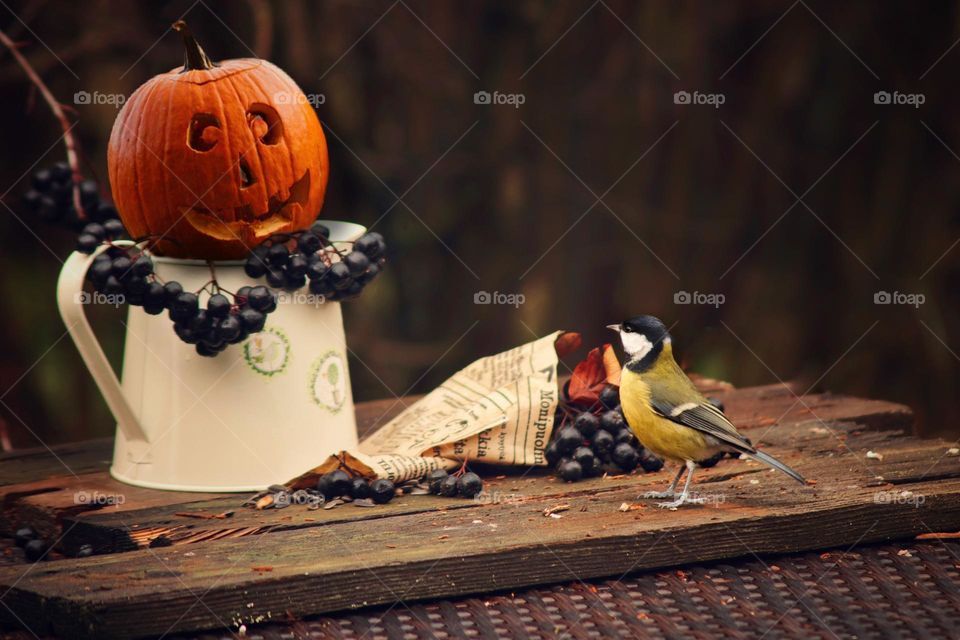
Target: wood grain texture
point(261, 565)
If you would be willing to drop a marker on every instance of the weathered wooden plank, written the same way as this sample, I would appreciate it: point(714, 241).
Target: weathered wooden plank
point(464, 551)
point(108, 531)
point(29, 465)
point(48, 487)
point(51, 505)
point(417, 547)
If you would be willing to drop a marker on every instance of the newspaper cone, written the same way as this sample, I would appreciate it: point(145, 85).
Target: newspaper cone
point(498, 410)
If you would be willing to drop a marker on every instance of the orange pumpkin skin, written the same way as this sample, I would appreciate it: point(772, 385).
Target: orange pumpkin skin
point(210, 162)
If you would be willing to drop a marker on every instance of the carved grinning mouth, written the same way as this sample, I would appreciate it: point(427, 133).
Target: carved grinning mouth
point(279, 213)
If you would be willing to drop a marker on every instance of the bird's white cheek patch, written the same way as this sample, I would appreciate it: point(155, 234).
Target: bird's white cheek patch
point(636, 344)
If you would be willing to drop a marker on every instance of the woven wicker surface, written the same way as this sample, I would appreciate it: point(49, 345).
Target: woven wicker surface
point(881, 591)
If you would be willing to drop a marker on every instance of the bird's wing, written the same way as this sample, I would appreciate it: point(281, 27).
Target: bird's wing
point(694, 411)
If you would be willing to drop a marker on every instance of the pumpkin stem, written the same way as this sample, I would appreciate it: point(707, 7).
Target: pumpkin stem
point(195, 57)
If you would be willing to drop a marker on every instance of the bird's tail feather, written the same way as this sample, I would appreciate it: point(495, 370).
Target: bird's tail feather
point(770, 461)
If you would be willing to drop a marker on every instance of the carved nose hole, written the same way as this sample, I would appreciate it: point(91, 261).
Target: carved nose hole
point(246, 176)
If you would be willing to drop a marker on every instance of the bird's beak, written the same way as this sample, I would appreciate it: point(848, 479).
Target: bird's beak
point(614, 327)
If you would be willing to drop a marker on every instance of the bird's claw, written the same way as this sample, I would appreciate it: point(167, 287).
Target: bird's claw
point(658, 494)
point(680, 501)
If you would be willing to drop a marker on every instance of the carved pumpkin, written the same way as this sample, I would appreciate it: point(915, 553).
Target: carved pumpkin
point(209, 159)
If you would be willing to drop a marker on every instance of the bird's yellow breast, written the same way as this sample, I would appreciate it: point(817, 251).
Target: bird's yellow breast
point(663, 437)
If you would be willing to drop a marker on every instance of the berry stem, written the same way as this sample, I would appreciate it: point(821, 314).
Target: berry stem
point(69, 141)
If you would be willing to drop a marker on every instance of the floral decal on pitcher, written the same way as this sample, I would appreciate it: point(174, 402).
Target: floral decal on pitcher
point(328, 381)
point(267, 352)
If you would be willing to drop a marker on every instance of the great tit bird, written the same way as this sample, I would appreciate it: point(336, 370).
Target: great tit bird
point(667, 413)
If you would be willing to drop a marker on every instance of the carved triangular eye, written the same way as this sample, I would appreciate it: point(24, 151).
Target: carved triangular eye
point(204, 132)
point(265, 123)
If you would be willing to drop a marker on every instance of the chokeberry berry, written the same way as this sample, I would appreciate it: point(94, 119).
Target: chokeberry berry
point(602, 442)
point(382, 490)
point(568, 439)
point(24, 535)
point(448, 486)
point(650, 462)
point(35, 549)
point(356, 262)
point(469, 484)
point(338, 484)
point(625, 456)
point(218, 306)
point(260, 298)
point(612, 421)
point(359, 488)
point(587, 424)
point(570, 470)
point(610, 396)
point(586, 458)
point(434, 478)
point(252, 320)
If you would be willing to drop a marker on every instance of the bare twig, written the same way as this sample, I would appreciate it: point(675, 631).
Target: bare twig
point(69, 140)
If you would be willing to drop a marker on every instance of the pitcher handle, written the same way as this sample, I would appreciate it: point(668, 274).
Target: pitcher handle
point(70, 304)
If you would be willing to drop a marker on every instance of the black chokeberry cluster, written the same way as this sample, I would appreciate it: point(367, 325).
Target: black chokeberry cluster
point(51, 198)
point(465, 484)
point(339, 484)
point(590, 441)
point(289, 260)
point(127, 273)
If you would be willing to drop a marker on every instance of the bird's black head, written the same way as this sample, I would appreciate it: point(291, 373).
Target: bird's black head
point(643, 338)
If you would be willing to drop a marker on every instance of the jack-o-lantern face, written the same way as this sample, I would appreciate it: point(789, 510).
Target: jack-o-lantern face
point(209, 161)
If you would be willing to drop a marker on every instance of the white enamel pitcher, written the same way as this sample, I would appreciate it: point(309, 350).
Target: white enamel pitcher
point(259, 413)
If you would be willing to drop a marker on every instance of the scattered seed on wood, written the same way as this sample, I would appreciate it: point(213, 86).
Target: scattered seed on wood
point(262, 569)
point(549, 511)
point(626, 506)
point(265, 502)
point(333, 503)
point(873, 455)
point(205, 516)
point(252, 500)
point(390, 546)
point(364, 502)
point(443, 537)
point(419, 491)
point(953, 451)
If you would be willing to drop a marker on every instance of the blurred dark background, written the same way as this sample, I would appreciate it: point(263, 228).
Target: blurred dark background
point(497, 198)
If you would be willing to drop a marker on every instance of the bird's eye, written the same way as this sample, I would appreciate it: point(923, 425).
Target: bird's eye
point(627, 330)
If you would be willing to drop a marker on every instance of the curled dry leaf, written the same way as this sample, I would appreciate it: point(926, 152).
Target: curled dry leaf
point(599, 368)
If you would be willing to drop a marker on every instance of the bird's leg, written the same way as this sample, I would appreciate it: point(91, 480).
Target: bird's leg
point(685, 494)
point(671, 490)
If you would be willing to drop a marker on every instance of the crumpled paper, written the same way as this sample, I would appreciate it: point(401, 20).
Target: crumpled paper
point(498, 410)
